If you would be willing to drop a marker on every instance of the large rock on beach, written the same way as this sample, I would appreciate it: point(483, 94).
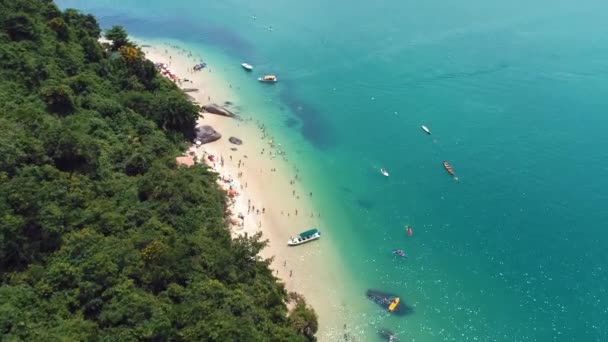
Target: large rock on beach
point(219, 110)
point(235, 140)
point(206, 134)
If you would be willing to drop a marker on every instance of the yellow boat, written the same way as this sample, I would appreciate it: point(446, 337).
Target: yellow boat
point(393, 305)
point(268, 79)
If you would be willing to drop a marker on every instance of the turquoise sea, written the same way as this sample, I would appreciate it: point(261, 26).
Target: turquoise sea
point(516, 95)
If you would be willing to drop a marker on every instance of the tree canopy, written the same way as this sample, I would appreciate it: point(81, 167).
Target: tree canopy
point(118, 36)
point(102, 236)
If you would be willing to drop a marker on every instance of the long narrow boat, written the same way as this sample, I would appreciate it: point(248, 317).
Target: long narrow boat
point(247, 66)
point(448, 168)
point(426, 129)
point(304, 237)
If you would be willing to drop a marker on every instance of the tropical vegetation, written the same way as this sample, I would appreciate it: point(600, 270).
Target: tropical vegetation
point(102, 236)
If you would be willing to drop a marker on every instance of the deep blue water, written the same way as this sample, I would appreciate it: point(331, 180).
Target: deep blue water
point(516, 96)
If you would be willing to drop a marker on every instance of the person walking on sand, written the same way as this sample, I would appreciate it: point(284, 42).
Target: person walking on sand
point(290, 273)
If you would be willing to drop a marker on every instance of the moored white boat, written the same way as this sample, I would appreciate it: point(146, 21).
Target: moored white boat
point(247, 66)
point(426, 129)
point(304, 237)
point(384, 172)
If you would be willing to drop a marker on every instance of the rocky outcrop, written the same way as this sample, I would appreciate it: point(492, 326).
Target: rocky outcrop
point(235, 140)
point(219, 110)
point(206, 134)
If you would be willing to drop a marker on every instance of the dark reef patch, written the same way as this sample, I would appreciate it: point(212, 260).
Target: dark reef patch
point(291, 122)
point(315, 128)
point(183, 29)
point(364, 203)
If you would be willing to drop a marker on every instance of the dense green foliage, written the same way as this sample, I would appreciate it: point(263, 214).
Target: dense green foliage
point(102, 236)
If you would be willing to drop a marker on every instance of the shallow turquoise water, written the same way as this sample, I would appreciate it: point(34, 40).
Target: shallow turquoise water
point(515, 94)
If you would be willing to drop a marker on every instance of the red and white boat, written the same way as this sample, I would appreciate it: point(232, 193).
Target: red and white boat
point(448, 168)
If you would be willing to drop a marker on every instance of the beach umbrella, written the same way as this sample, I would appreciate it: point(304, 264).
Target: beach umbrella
point(198, 143)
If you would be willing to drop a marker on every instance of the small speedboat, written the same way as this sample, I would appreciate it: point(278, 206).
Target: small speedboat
point(426, 129)
point(304, 237)
point(247, 66)
point(384, 172)
point(400, 253)
point(268, 79)
point(448, 168)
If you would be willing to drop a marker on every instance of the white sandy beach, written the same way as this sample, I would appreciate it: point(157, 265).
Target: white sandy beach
point(271, 196)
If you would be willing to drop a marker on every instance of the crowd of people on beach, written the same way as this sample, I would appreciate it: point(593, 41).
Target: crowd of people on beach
point(242, 212)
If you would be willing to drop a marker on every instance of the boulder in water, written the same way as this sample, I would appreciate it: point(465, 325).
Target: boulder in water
point(219, 110)
point(206, 134)
point(235, 140)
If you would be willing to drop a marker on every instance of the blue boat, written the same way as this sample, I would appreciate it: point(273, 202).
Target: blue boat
point(200, 66)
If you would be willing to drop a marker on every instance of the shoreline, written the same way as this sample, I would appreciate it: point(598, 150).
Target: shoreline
point(271, 196)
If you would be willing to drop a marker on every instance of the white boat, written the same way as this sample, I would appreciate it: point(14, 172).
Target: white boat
point(304, 237)
point(268, 79)
point(247, 66)
point(384, 172)
point(426, 129)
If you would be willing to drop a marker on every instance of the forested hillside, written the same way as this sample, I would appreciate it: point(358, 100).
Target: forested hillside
point(102, 236)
